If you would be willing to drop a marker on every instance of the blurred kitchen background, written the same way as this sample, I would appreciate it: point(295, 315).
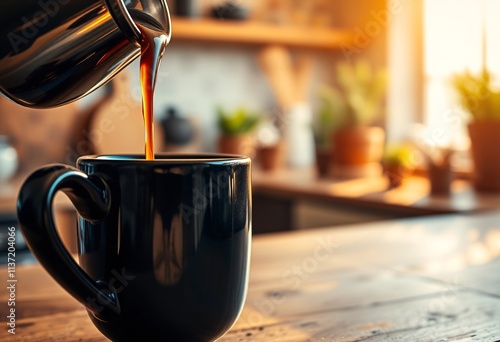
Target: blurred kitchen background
point(352, 111)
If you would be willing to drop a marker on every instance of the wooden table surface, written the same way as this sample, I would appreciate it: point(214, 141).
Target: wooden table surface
point(424, 279)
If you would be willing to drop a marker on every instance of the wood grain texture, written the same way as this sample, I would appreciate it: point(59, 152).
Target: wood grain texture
point(423, 279)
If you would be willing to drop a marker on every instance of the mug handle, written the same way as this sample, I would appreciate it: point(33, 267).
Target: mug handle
point(91, 197)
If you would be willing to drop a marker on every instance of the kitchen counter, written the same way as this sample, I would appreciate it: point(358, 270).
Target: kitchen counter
point(413, 196)
point(292, 199)
point(297, 198)
point(420, 279)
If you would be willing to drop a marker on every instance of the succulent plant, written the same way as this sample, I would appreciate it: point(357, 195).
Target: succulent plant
point(398, 155)
point(240, 121)
point(477, 95)
point(364, 91)
point(357, 99)
point(331, 102)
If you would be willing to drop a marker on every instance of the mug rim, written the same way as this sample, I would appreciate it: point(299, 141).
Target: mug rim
point(162, 158)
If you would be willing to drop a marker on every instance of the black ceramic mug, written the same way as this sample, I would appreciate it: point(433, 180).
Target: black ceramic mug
point(163, 245)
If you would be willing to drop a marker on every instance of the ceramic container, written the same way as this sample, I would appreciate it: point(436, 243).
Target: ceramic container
point(8, 160)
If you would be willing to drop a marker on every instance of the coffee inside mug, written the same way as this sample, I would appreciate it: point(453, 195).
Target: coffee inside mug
point(163, 244)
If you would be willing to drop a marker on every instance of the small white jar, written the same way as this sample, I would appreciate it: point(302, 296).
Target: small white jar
point(8, 160)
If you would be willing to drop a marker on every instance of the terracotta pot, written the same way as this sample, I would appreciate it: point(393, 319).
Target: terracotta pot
point(358, 151)
point(237, 144)
point(359, 145)
point(323, 161)
point(272, 158)
point(395, 175)
point(485, 139)
point(440, 178)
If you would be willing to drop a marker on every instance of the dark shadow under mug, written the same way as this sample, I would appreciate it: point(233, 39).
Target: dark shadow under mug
point(163, 245)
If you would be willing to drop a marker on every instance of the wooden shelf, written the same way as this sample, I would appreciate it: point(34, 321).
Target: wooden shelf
point(256, 33)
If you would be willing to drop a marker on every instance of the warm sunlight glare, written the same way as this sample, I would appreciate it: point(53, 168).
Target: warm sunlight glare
point(453, 31)
point(492, 38)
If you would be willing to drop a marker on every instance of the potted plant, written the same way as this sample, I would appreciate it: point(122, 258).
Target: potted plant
point(396, 161)
point(323, 126)
point(236, 131)
point(271, 148)
point(482, 101)
point(356, 103)
point(439, 171)
point(272, 157)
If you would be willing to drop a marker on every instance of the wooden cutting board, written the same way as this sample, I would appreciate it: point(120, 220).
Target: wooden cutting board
point(40, 136)
point(117, 126)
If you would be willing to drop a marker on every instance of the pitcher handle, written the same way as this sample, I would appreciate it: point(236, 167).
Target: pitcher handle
point(91, 197)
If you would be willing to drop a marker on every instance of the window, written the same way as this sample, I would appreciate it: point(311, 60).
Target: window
point(458, 35)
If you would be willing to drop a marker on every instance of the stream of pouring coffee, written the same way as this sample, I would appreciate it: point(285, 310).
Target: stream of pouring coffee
point(153, 43)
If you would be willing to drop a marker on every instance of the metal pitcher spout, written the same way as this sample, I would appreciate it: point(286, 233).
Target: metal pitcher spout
point(53, 52)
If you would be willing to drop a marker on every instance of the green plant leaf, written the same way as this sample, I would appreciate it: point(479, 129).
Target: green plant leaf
point(477, 96)
point(357, 99)
point(398, 155)
point(364, 91)
point(330, 115)
point(239, 121)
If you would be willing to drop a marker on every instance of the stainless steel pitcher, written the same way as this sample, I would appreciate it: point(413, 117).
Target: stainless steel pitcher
point(56, 51)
